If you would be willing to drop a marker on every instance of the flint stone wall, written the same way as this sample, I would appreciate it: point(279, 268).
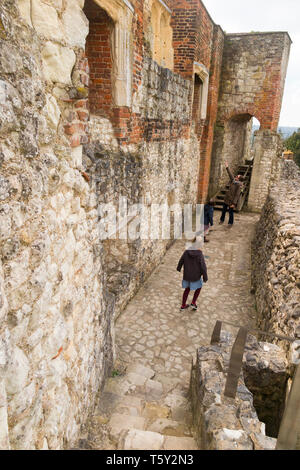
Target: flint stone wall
point(223, 423)
point(55, 317)
point(276, 261)
point(60, 286)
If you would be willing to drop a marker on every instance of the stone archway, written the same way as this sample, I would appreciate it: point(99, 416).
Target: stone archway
point(232, 143)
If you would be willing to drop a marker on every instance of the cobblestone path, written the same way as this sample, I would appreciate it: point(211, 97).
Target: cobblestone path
point(145, 404)
point(154, 331)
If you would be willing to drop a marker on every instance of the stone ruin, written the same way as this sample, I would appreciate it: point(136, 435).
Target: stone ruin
point(252, 420)
point(95, 103)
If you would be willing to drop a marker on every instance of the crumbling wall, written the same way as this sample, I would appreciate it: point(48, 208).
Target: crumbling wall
point(276, 259)
point(267, 150)
point(223, 423)
point(56, 321)
point(61, 286)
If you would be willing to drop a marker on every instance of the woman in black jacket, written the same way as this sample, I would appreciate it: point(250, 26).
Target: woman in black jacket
point(194, 268)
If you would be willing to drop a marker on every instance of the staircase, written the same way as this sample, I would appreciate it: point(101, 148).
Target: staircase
point(140, 411)
point(244, 170)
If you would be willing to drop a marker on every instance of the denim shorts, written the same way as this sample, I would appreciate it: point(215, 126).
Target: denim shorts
point(192, 285)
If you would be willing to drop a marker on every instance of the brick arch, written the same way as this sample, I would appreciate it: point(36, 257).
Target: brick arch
point(243, 111)
point(99, 54)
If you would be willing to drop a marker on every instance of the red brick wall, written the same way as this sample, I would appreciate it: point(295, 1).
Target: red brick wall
point(204, 39)
point(184, 23)
point(212, 110)
point(98, 52)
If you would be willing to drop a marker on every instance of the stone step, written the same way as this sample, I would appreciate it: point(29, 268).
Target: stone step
point(135, 384)
point(140, 369)
point(169, 427)
point(135, 439)
point(119, 423)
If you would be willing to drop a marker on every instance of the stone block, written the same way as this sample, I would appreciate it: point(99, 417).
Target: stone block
point(25, 10)
point(153, 389)
point(180, 443)
point(17, 372)
point(141, 440)
point(153, 411)
point(231, 439)
point(120, 422)
point(168, 427)
point(58, 62)
point(263, 442)
point(76, 26)
point(141, 370)
point(136, 379)
point(45, 21)
point(52, 111)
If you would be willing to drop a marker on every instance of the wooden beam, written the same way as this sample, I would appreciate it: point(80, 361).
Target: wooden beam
point(235, 364)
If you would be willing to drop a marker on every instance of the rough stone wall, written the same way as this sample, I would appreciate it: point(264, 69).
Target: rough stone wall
point(157, 175)
point(267, 150)
point(276, 261)
point(223, 423)
point(60, 286)
point(55, 318)
point(253, 76)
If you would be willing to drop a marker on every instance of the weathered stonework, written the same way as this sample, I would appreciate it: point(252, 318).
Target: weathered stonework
point(276, 260)
point(223, 423)
point(267, 151)
point(86, 116)
point(252, 82)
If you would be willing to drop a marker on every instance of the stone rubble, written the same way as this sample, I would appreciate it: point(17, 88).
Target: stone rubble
point(223, 423)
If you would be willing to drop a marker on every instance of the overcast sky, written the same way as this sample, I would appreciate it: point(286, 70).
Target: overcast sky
point(240, 16)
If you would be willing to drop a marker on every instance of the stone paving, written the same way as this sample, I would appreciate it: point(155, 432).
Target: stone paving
point(145, 404)
point(152, 329)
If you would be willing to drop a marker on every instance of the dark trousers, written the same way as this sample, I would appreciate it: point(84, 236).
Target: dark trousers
point(186, 294)
point(224, 210)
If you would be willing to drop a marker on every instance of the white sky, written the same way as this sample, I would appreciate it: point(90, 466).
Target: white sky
point(240, 16)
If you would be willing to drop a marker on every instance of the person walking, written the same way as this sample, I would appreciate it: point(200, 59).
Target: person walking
point(194, 269)
point(208, 218)
point(232, 196)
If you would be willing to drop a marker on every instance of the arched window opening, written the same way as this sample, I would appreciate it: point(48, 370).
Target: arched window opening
point(166, 32)
point(162, 36)
point(99, 54)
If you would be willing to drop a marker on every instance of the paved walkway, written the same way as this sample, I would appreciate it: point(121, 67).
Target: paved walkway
point(152, 329)
point(145, 404)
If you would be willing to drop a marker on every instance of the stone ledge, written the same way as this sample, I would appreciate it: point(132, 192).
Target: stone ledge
point(223, 423)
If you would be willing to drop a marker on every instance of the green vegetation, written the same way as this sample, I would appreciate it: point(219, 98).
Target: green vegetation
point(293, 143)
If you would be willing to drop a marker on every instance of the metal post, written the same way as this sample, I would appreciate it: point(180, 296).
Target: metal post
point(235, 364)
